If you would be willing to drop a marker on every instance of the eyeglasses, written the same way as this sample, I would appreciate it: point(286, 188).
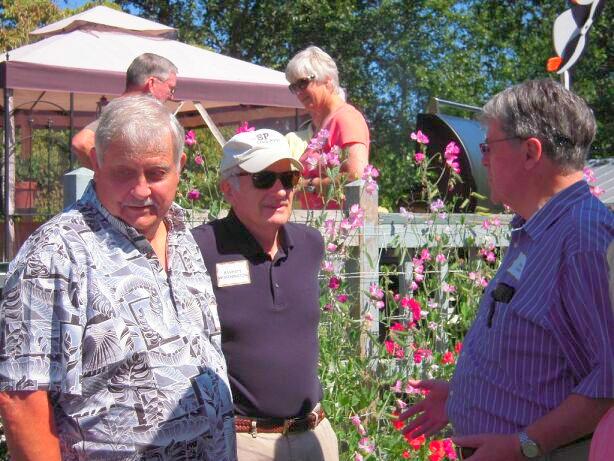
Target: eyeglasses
point(301, 84)
point(265, 179)
point(485, 146)
point(171, 89)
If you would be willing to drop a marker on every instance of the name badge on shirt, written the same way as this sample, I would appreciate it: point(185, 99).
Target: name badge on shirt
point(232, 273)
point(518, 266)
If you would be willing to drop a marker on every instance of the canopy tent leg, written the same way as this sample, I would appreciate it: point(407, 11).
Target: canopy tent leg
point(210, 123)
point(9, 174)
point(71, 129)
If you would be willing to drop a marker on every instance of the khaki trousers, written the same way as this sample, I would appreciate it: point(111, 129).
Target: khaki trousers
point(319, 444)
point(575, 452)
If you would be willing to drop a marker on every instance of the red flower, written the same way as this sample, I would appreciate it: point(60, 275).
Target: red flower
point(406, 454)
point(334, 283)
point(394, 349)
point(458, 347)
point(448, 358)
point(416, 442)
point(397, 326)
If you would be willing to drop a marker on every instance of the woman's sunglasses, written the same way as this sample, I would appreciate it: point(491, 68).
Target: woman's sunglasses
point(265, 179)
point(301, 84)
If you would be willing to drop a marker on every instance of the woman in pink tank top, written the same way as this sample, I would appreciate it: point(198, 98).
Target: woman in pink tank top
point(314, 78)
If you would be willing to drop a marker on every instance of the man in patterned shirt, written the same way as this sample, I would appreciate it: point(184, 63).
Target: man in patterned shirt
point(109, 334)
point(537, 368)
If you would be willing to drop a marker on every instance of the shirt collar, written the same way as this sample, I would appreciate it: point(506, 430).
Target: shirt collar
point(175, 218)
point(239, 238)
point(552, 210)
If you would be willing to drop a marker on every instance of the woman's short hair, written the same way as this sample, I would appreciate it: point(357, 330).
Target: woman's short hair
point(140, 122)
point(313, 61)
point(546, 110)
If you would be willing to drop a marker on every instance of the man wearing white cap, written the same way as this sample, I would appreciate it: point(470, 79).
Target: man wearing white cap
point(264, 272)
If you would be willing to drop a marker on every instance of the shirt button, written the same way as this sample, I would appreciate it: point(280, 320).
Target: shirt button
point(277, 285)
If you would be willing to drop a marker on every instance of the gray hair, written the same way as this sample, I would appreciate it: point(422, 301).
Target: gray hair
point(148, 65)
point(313, 61)
point(544, 109)
point(230, 175)
point(140, 122)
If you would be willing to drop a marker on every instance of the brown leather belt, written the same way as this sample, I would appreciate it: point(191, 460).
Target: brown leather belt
point(279, 425)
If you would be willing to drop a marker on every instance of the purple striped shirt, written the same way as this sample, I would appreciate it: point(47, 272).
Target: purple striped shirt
point(555, 336)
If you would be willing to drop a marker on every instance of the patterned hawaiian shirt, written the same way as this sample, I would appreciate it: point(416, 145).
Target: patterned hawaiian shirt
point(129, 353)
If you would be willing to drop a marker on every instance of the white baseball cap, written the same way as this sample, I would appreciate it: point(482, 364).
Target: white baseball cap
point(253, 151)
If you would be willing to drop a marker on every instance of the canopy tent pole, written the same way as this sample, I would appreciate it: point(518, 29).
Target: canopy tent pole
point(71, 129)
point(9, 172)
point(210, 123)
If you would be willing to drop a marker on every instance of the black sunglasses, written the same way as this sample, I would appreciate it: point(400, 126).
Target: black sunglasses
point(301, 84)
point(265, 179)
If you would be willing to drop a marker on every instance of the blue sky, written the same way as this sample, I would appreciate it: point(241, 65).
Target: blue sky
point(69, 3)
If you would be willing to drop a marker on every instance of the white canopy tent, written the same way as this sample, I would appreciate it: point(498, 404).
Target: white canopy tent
point(84, 57)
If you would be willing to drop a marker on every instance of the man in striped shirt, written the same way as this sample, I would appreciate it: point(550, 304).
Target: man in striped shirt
point(537, 370)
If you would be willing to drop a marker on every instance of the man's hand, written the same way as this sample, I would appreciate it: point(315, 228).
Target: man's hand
point(490, 447)
point(431, 411)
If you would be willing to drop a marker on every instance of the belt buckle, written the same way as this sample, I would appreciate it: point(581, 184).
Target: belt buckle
point(287, 425)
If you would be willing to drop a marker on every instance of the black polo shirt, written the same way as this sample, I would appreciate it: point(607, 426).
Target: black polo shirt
point(269, 311)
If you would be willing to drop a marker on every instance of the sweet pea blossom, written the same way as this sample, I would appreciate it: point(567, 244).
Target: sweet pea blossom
point(194, 194)
point(448, 358)
point(358, 457)
point(451, 155)
point(331, 247)
point(406, 214)
point(441, 258)
point(244, 127)
point(327, 266)
point(356, 216)
point(419, 137)
point(342, 298)
point(334, 283)
point(419, 157)
point(190, 138)
point(366, 446)
point(329, 227)
point(199, 160)
point(394, 349)
point(319, 140)
point(589, 174)
point(358, 424)
point(375, 291)
point(437, 205)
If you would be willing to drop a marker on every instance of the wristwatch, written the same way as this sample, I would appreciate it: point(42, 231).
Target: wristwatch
point(528, 447)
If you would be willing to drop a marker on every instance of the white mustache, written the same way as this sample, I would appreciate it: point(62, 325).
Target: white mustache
point(140, 203)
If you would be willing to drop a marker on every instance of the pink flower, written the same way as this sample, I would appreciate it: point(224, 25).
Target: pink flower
point(332, 157)
point(440, 258)
point(334, 283)
point(342, 298)
point(380, 304)
point(446, 288)
point(397, 387)
point(327, 266)
point(437, 205)
point(406, 214)
point(375, 291)
point(366, 446)
point(451, 155)
point(419, 157)
point(420, 137)
point(589, 174)
point(190, 138)
point(368, 317)
point(394, 349)
point(329, 227)
point(358, 424)
point(358, 457)
point(331, 247)
point(448, 447)
point(356, 216)
point(370, 186)
point(244, 127)
point(597, 191)
point(318, 142)
point(370, 172)
point(194, 194)
point(328, 307)
point(425, 255)
point(199, 160)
